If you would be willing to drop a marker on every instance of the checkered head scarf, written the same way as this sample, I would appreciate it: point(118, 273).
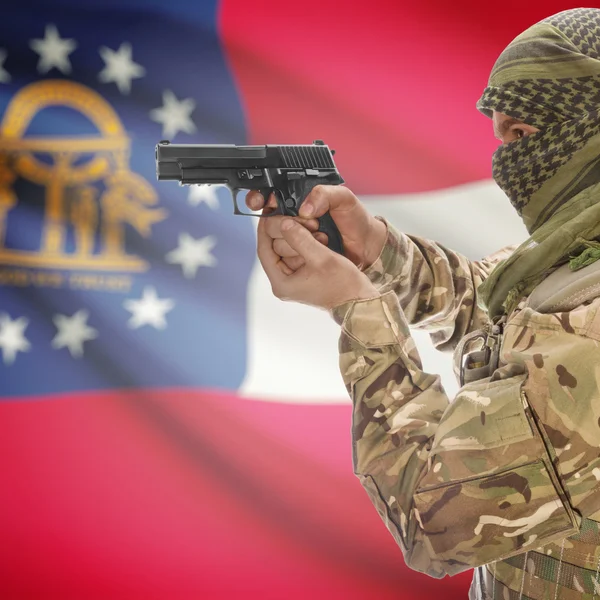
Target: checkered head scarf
point(548, 77)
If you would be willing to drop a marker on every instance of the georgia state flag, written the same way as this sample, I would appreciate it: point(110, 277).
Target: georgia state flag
point(168, 429)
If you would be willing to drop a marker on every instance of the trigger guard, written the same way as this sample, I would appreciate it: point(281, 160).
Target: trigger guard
point(266, 193)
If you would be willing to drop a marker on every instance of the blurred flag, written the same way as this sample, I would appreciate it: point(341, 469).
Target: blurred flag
point(167, 428)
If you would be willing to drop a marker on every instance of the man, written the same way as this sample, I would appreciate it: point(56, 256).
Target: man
point(505, 477)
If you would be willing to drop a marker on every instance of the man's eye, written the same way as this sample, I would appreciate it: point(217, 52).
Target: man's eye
point(519, 133)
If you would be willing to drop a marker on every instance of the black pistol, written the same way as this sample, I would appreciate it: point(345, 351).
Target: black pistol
point(289, 172)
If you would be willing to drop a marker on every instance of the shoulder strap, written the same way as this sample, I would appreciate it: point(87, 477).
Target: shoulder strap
point(564, 290)
point(561, 291)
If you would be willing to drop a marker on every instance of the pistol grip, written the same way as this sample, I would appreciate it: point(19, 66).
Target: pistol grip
point(327, 225)
point(297, 194)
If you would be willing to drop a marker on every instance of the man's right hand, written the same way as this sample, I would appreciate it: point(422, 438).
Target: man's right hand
point(363, 235)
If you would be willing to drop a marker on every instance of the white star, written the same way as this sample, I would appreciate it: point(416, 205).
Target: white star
point(4, 74)
point(12, 337)
point(204, 193)
point(148, 310)
point(191, 254)
point(119, 67)
point(174, 115)
point(72, 332)
point(53, 51)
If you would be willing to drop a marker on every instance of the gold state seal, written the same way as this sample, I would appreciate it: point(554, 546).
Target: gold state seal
point(87, 183)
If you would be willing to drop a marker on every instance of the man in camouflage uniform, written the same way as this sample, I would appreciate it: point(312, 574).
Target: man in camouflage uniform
point(505, 477)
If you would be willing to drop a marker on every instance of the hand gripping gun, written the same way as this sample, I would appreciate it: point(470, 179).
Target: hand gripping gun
point(289, 172)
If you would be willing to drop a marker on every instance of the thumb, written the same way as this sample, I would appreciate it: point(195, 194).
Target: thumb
point(325, 198)
point(302, 241)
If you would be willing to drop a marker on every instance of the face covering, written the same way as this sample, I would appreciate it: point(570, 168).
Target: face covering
point(548, 77)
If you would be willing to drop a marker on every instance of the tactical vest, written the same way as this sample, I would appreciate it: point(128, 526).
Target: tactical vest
point(570, 569)
point(573, 564)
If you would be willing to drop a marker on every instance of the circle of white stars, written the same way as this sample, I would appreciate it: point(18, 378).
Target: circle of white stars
point(72, 332)
point(192, 253)
point(174, 116)
point(149, 309)
point(12, 337)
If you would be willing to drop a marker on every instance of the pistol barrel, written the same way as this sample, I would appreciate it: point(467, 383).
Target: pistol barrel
point(172, 159)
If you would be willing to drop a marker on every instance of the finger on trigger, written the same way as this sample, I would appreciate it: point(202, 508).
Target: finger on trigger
point(254, 200)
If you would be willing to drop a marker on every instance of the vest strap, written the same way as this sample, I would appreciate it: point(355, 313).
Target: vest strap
point(564, 289)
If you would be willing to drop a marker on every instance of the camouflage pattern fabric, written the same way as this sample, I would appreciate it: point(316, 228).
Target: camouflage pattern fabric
point(572, 564)
point(548, 77)
point(511, 464)
point(441, 301)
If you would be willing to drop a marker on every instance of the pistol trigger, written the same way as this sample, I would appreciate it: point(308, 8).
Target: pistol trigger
point(280, 210)
point(266, 194)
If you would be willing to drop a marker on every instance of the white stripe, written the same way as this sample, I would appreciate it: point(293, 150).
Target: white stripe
point(292, 349)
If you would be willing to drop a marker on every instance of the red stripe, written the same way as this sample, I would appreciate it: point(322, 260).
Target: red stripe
point(179, 495)
point(391, 85)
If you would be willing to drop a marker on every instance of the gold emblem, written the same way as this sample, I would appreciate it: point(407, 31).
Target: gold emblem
point(88, 184)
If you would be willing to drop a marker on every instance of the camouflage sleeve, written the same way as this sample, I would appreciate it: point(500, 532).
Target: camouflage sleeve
point(458, 484)
point(436, 287)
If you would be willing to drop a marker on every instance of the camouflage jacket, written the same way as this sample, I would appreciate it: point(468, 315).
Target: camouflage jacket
point(512, 462)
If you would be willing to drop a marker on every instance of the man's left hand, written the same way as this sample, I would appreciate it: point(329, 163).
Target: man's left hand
point(326, 279)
